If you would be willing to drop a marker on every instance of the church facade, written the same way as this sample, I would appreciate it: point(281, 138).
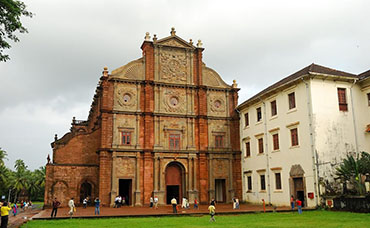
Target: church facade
point(163, 125)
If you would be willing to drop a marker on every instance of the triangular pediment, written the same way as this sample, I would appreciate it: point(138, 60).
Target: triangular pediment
point(175, 41)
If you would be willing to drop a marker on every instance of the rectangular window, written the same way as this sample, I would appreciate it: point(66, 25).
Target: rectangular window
point(273, 108)
point(246, 119)
point(260, 145)
point(368, 99)
point(174, 141)
point(291, 100)
point(278, 181)
point(275, 139)
point(249, 178)
point(263, 183)
point(247, 149)
point(342, 100)
point(294, 136)
point(219, 141)
point(259, 114)
point(126, 138)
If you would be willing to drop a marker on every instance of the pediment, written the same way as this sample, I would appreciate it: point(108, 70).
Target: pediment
point(174, 41)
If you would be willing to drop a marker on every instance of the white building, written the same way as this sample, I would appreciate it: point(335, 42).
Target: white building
point(295, 132)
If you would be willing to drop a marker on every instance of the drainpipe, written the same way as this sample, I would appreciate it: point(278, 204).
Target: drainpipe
point(267, 151)
point(354, 118)
point(312, 145)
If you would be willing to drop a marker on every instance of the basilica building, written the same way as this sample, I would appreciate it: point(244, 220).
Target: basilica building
point(163, 125)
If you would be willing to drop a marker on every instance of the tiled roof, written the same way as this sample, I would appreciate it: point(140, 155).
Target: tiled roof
point(313, 68)
point(364, 75)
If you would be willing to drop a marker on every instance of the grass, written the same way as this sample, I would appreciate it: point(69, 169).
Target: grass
point(325, 219)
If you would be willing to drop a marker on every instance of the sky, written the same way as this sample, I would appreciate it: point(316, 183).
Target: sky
point(54, 69)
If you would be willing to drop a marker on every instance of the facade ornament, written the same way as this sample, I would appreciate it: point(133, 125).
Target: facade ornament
point(147, 37)
point(173, 31)
point(235, 85)
point(73, 120)
point(191, 41)
point(55, 137)
point(199, 44)
point(105, 72)
point(48, 159)
point(155, 38)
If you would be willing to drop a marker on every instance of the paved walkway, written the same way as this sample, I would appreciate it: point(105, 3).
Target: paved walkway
point(22, 217)
point(147, 211)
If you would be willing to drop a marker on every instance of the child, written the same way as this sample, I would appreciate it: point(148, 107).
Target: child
point(212, 211)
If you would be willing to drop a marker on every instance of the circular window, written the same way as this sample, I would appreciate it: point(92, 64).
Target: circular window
point(217, 104)
point(126, 98)
point(174, 101)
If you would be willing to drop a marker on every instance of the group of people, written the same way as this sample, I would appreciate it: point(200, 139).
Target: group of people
point(72, 207)
point(119, 201)
point(185, 204)
point(6, 207)
point(236, 203)
point(154, 202)
point(297, 202)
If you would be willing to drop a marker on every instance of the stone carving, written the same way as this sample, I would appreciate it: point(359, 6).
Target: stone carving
point(125, 97)
point(174, 43)
point(133, 70)
point(217, 103)
point(173, 65)
point(174, 100)
point(212, 78)
point(220, 167)
point(296, 170)
point(125, 166)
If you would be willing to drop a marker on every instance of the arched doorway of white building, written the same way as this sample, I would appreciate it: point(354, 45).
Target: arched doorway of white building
point(297, 184)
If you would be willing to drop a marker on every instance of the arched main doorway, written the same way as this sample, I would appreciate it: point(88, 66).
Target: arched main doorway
point(174, 181)
point(85, 191)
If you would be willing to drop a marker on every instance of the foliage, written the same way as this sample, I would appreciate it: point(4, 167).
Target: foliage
point(3, 156)
point(353, 170)
point(29, 184)
point(315, 219)
point(10, 14)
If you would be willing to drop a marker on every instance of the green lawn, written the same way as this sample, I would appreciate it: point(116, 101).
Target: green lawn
point(315, 219)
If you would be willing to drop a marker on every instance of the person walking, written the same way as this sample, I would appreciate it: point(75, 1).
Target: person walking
point(292, 202)
point(15, 209)
point(72, 207)
point(55, 205)
point(97, 206)
point(237, 205)
point(84, 202)
point(5, 214)
point(213, 202)
point(174, 204)
point(212, 211)
point(299, 205)
point(151, 201)
point(196, 203)
point(155, 202)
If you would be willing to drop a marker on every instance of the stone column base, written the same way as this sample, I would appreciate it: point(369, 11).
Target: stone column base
point(160, 195)
point(138, 198)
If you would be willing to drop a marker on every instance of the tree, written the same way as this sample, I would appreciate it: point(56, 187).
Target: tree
point(353, 169)
point(10, 23)
point(3, 155)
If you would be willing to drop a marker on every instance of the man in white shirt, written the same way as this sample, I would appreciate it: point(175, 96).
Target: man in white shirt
point(174, 205)
point(71, 205)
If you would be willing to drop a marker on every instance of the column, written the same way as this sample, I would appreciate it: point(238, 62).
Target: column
point(155, 174)
point(137, 178)
point(231, 189)
point(210, 179)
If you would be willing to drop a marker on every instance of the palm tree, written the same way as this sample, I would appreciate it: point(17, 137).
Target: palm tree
point(19, 178)
point(3, 155)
